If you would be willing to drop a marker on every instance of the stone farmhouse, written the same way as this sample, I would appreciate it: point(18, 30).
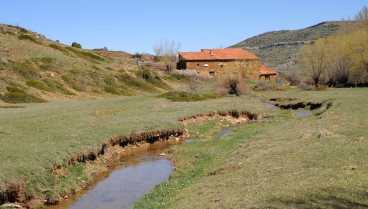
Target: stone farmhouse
point(216, 62)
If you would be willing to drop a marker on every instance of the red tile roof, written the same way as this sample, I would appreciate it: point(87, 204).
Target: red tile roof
point(218, 54)
point(265, 71)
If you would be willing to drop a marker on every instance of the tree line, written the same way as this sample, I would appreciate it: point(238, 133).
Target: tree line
point(341, 58)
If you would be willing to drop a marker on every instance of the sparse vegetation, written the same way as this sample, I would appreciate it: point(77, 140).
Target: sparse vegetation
point(60, 48)
point(16, 95)
point(264, 85)
point(187, 97)
point(57, 86)
point(25, 69)
point(85, 55)
point(38, 85)
point(29, 38)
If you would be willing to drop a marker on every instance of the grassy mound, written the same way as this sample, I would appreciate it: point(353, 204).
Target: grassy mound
point(187, 97)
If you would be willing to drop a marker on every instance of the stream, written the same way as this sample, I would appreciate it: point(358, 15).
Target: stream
point(129, 178)
point(134, 174)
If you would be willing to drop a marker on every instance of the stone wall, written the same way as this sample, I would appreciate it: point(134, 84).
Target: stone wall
point(209, 68)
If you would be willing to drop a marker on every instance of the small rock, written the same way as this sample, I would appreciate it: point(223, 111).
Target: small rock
point(163, 154)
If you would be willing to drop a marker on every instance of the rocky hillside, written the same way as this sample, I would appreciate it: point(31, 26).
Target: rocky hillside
point(36, 69)
point(278, 49)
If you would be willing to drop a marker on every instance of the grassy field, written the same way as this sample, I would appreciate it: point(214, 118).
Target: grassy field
point(37, 136)
point(319, 161)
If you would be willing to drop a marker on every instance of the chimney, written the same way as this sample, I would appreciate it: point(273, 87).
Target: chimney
point(211, 52)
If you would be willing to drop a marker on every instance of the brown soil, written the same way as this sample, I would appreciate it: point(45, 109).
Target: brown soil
point(16, 193)
point(299, 105)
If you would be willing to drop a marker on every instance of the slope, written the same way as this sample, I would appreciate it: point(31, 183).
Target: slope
point(36, 69)
point(278, 49)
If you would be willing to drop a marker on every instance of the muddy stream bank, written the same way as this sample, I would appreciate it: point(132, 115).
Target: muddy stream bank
point(135, 172)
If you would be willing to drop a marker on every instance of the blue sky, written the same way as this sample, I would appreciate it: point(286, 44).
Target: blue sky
point(135, 26)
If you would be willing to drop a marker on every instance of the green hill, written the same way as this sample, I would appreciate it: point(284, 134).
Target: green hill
point(278, 49)
point(36, 69)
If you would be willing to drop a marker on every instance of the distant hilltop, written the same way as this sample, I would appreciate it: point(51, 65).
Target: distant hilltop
point(278, 49)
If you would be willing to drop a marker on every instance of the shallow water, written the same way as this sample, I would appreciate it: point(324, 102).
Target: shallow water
point(134, 175)
point(304, 113)
point(270, 105)
point(226, 131)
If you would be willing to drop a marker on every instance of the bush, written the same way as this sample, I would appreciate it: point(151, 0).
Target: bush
point(68, 78)
point(38, 85)
point(76, 45)
point(29, 38)
point(136, 83)
point(112, 90)
point(293, 78)
point(16, 95)
point(187, 97)
point(60, 48)
point(57, 86)
point(96, 68)
point(231, 84)
point(85, 55)
point(22, 30)
point(151, 78)
point(25, 69)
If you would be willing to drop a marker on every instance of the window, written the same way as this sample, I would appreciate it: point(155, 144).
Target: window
point(197, 65)
point(205, 65)
point(267, 77)
point(212, 73)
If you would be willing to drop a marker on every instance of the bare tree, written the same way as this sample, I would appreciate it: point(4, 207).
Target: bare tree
point(167, 53)
point(233, 81)
point(194, 85)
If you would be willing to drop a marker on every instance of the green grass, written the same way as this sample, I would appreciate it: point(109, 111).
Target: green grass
point(186, 97)
point(15, 95)
point(38, 85)
point(25, 69)
point(60, 48)
point(85, 55)
point(50, 133)
point(284, 162)
point(29, 38)
point(22, 30)
point(13, 106)
point(57, 86)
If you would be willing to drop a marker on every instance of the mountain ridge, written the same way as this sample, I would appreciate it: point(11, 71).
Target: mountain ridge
point(278, 49)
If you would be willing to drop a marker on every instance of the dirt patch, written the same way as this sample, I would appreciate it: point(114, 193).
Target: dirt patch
point(234, 116)
point(14, 193)
point(295, 106)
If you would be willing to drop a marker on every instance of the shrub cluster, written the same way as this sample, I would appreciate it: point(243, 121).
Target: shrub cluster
point(76, 45)
point(29, 38)
point(15, 95)
point(187, 97)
